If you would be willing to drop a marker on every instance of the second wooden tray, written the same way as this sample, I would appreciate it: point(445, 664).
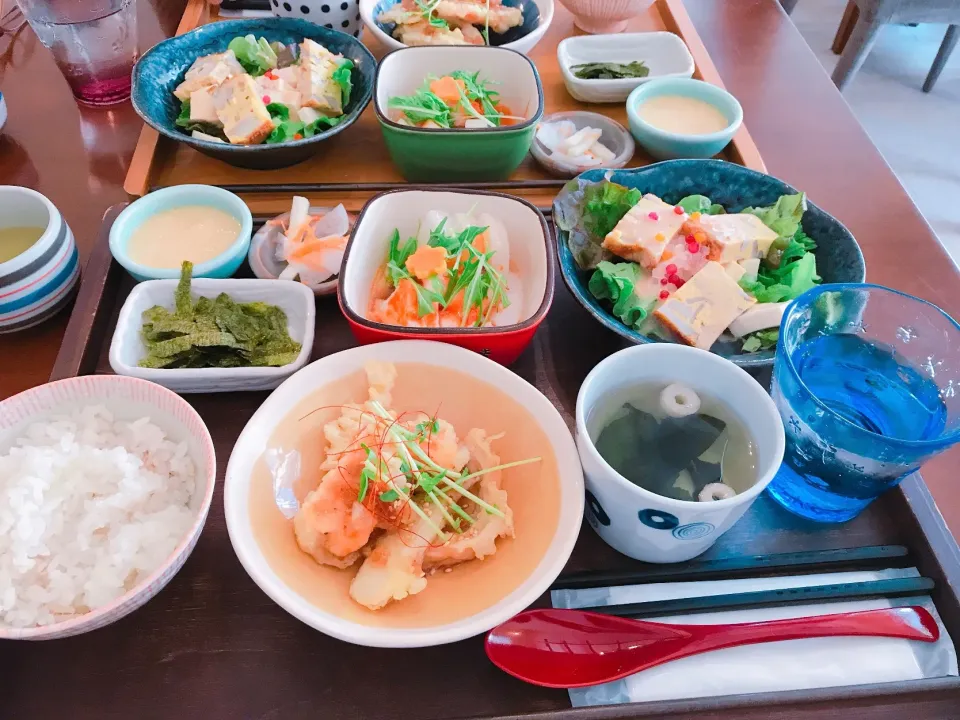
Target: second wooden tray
point(360, 155)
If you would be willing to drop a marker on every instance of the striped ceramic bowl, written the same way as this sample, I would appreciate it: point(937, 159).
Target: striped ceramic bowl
point(128, 399)
point(39, 282)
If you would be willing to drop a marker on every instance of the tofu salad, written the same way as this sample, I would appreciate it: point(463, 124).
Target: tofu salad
point(260, 92)
point(692, 271)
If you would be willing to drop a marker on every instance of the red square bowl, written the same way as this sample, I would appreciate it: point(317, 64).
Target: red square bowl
point(531, 266)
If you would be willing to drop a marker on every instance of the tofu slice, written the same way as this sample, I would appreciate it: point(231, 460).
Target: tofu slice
point(241, 110)
point(202, 107)
point(308, 115)
point(751, 268)
point(732, 237)
point(203, 136)
point(316, 83)
point(735, 271)
point(759, 317)
point(643, 233)
point(209, 71)
point(290, 75)
point(704, 307)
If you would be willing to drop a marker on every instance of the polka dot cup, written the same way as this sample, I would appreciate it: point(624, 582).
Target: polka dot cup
point(642, 524)
point(342, 15)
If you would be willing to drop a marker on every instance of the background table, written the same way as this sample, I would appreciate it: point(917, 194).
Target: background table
point(805, 131)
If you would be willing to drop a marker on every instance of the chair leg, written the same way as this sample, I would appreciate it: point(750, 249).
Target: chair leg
point(789, 5)
point(861, 40)
point(946, 47)
point(847, 23)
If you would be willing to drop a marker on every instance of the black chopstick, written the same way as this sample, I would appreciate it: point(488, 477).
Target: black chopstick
point(860, 558)
point(245, 5)
point(384, 186)
point(893, 587)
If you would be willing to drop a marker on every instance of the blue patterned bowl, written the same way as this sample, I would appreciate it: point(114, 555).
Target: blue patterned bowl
point(537, 16)
point(839, 259)
point(162, 68)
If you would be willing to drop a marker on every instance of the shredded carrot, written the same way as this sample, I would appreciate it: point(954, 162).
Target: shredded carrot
point(317, 245)
point(504, 110)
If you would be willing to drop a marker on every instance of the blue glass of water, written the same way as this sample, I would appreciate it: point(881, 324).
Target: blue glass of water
point(866, 380)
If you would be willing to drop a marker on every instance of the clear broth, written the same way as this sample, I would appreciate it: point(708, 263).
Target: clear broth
point(533, 493)
point(673, 458)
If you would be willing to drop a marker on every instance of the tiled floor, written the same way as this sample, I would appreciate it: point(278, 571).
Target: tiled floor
point(918, 133)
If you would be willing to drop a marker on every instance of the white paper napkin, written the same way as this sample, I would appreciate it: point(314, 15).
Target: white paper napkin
point(786, 665)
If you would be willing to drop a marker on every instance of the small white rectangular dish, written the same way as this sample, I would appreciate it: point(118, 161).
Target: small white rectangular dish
point(127, 348)
point(663, 52)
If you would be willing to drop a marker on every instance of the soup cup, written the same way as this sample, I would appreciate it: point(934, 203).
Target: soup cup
point(642, 524)
point(666, 145)
point(459, 154)
point(39, 282)
point(222, 266)
point(531, 249)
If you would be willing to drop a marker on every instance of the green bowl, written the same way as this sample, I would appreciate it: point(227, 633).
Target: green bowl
point(454, 154)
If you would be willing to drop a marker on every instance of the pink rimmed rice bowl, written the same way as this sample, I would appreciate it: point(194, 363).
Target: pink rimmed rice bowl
point(105, 485)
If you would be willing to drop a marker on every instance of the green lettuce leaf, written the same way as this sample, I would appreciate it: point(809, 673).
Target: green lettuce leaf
point(701, 204)
point(320, 125)
point(761, 340)
point(256, 56)
point(616, 282)
point(783, 217)
point(341, 76)
point(278, 111)
point(285, 132)
point(605, 204)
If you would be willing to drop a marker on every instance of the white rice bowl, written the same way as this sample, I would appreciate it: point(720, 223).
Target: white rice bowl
point(105, 483)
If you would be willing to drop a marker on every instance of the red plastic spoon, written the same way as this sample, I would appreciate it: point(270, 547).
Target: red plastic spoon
point(573, 648)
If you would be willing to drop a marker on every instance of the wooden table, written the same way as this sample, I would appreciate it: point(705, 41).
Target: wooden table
point(78, 158)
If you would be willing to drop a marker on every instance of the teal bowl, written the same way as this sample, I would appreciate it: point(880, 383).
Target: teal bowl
point(223, 265)
point(664, 145)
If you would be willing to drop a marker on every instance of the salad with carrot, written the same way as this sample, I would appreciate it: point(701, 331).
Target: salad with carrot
point(454, 273)
point(457, 100)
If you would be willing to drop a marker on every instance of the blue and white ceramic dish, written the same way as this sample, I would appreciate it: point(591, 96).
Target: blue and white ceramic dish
point(537, 16)
point(222, 266)
point(39, 282)
point(735, 187)
point(342, 15)
point(162, 68)
point(664, 145)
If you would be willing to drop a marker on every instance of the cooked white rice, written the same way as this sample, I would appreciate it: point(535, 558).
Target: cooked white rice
point(88, 506)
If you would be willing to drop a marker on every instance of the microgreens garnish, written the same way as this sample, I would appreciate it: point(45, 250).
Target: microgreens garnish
point(427, 9)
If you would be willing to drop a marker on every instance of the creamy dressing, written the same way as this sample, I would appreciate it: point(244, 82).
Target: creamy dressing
point(197, 233)
point(16, 240)
point(467, 589)
point(682, 115)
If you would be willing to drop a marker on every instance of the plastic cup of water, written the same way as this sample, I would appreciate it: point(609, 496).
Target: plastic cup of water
point(94, 43)
point(866, 381)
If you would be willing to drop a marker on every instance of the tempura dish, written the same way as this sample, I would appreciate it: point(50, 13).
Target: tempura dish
point(474, 269)
point(514, 24)
point(457, 113)
point(404, 494)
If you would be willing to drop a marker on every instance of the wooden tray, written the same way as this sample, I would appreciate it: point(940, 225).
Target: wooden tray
point(213, 645)
point(359, 155)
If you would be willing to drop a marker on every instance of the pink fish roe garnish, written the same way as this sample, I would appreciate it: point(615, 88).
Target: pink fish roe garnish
point(266, 99)
point(664, 281)
point(664, 294)
point(653, 216)
point(671, 269)
point(678, 210)
point(693, 247)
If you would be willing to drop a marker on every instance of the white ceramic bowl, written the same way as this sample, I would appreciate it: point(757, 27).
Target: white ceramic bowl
point(637, 522)
point(127, 348)
point(128, 399)
point(39, 282)
point(615, 137)
point(3, 111)
point(604, 16)
point(342, 15)
point(253, 441)
point(663, 52)
point(262, 258)
point(368, 8)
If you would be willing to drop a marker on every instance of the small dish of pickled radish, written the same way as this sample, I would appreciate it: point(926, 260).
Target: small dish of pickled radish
point(569, 143)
